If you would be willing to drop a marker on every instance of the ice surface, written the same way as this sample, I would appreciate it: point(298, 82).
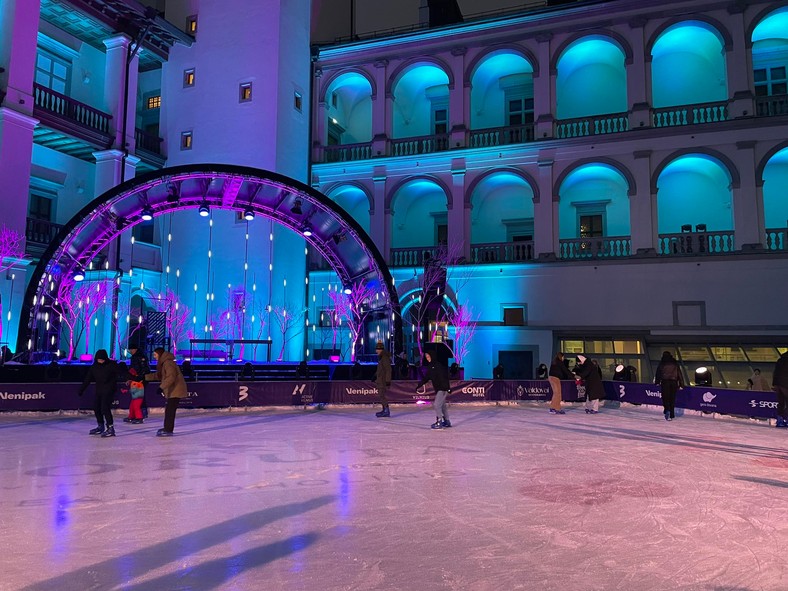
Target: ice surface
point(511, 497)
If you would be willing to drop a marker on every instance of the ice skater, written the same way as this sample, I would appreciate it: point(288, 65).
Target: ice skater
point(136, 383)
point(595, 391)
point(382, 378)
point(670, 380)
point(104, 373)
point(558, 371)
point(780, 386)
point(438, 374)
point(173, 386)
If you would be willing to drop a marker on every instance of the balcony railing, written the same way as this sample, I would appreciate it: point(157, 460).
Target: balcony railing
point(777, 239)
point(597, 125)
point(601, 247)
point(690, 114)
point(73, 111)
point(347, 152)
point(41, 231)
point(413, 257)
point(148, 142)
point(771, 106)
point(500, 136)
point(426, 144)
point(696, 243)
point(502, 252)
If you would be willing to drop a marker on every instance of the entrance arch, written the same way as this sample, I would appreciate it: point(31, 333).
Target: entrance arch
point(324, 225)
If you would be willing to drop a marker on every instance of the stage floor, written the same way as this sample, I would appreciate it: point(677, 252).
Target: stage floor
point(509, 498)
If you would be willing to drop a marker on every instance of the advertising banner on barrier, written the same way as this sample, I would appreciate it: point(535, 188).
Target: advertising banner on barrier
point(748, 403)
point(58, 396)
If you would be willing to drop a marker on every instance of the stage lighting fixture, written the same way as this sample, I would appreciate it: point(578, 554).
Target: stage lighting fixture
point(296, 209)
point(347, 290)
point(120, 223)
point(623, 373)
point(147, 214)
point(79, 275)
point(702, 376)
point(172, 196)
point(204, 210)
point(248, 214)
point(307, 231)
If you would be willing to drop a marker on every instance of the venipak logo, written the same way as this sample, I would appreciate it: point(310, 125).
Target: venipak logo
point(23, 395)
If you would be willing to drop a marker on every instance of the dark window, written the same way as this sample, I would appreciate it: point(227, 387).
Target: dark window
point(143, 232)
point(245, 92)
point(40, 207)
point(591, 226)
point(520, 111)
point(186, 140)
point(442, 231)
point(298, 101)
point(52, 71)
point(441, 121)
point(770, 81)
point(191, 25)
point(188, 77)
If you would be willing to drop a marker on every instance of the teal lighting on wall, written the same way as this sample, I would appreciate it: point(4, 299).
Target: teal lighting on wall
point(594, 189)
point(775, 179)
point(773, 27)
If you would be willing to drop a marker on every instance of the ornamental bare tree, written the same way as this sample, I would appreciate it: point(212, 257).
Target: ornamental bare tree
point(77, 304)
point(10, 250)
point(287, 317)
point(353, 308)
point(177, 315)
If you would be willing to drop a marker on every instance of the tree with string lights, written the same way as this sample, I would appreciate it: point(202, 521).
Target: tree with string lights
point(11, 248)
point(354, 308)
point(287, 317)
point(77, 304)
point(464, 321)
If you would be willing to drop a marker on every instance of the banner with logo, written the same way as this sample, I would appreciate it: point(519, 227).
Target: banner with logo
point(733, 402)
point(56, 396)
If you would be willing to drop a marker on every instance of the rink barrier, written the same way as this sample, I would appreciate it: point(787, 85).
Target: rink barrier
point(63, 396)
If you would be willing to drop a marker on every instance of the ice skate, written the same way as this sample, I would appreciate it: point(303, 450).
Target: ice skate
point(557, 412)
point(446, 423)
point(163, 433)
point(781, 423)
point(98, 430)
point(110, 432)
point(383, 413)
point(438, 424)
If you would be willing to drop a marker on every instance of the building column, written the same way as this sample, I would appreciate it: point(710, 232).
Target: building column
point(320, 139)
point(642, 221)
point(748, 216)
point(458, 124)
point(637, 97)
point(116, 90)
point(381, 111)
point(379, 220)
point(545, 213)
point(544, 85)
point(16, 152)
point(458, 218)
point(109, 164)
point(19, 21)
point(738, 65)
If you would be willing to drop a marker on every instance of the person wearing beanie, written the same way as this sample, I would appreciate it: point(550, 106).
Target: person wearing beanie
point(139, 367)
point(438, 374)
point(104, 373)
point(173, 387)
point(670, 380)
point(382, 378)
point(558, 371)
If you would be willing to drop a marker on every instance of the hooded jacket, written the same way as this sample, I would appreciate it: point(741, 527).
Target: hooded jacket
point(595, 390)
point(105, 375)
point(438, 375)
point(383, 373)
point(169, 374)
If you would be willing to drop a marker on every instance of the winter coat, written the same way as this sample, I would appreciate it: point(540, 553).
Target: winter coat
point(758, 383)
point(438, 374)
point(383, 373)
point(593, 381)
point(105, 375)
point(780, 377)
point(558, 369)
point(139, 363)
point(669, 370)
point(169, 374)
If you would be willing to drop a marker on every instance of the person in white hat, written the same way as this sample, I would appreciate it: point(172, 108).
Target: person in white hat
point(592, 378)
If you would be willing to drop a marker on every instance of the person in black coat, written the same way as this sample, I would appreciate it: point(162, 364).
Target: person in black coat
point(592, 379)
point(780, 385)
point(558, 371)
point(670, 380)
point(438, 374)
point(104, 372)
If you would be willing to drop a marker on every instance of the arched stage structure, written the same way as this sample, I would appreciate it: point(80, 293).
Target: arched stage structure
point(323, 224)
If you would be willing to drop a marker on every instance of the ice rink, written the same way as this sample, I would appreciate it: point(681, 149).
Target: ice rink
point(511, 497)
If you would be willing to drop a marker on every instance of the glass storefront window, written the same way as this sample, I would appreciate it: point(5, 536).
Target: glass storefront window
point(599, 347)
point(655, 351)
point(728, 354)
point(627, 347)
point(761, 353)
point(572, 347)
point(694, 353)
point(734, 375)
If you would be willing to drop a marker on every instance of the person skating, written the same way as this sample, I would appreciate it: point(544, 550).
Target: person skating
point(438, 374)
point(670, 380)
point(104, 373)
point(780, 386)
point(382, 378)
point(139, 368)
point(595, 390)
point(558, 371)
point(173, 386)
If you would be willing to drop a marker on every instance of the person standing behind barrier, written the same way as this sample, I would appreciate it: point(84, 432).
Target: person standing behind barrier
point(438, 374)
point(104, 373)
point(558, 372)
point(670, 380)
point(758, 382)
point(595, 391)
point(780, 386)
point(382, 378)
point(173, 386)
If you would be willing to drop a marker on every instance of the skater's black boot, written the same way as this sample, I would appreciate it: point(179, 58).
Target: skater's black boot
point(446, 423)
point(438, 424)
point(383, 413)
point(781, 423)
point(110, 432)
point(98, 430)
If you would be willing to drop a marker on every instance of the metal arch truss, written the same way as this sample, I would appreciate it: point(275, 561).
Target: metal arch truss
point(334, 234)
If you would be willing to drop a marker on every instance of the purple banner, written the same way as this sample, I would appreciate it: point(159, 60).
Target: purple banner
point(57, 396)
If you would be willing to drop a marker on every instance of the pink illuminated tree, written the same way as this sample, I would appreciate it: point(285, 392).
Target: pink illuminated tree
point(10, 250)
point(353, 308)
point(287, 318)
point(77, 304)
point(464, 321)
